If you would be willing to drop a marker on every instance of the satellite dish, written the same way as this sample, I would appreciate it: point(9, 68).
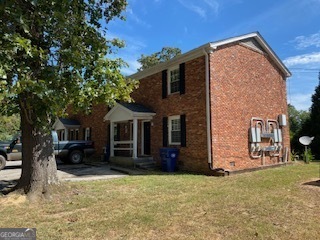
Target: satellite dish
point(305, 140)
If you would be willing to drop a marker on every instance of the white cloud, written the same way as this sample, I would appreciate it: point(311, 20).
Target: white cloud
point(194, 8)
point(132, 44)
point(300, 101)
point(133, 66)
point(200, 11)
point(135, 18)
point(307, 41)
point(304, 59)
point(214, 5)
point(202, 7)
point(130, 53)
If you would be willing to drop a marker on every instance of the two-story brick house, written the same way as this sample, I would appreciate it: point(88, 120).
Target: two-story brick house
point(223, 105)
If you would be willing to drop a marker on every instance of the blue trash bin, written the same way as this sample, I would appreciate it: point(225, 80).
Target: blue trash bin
point(169, 158)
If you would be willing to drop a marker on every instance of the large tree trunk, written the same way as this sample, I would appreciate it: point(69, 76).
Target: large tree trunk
point(39, 168)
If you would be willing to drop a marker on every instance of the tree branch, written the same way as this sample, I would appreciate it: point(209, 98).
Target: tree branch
point(25, 110)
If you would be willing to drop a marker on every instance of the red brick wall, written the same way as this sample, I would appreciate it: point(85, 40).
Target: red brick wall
point(99, 128)
point(193, 157)
point(244, 84)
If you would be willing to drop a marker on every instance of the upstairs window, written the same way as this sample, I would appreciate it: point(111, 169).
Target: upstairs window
point(174, 80)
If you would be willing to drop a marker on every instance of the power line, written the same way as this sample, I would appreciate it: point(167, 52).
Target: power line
point(309, 70)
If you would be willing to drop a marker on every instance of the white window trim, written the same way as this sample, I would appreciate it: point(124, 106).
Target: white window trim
point(71, 137)
point(131, 137)
point(170, 127)
point(62, 135)
point(87, 134)
point(169, 78)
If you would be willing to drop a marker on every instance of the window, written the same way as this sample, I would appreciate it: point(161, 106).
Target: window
point(71, 135)
point(61, 135)
point(87, 134)
point(174, 130)
point(76, 131)
point(116, 132)
point(174, 80)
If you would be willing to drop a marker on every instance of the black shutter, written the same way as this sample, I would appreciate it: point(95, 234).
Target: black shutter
point(90, 133)
point(182, 78)
point(164, 84)
point(183, 130)
point(84, 133)
point(165, 131)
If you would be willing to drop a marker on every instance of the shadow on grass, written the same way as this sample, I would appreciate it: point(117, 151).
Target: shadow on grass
point(313, 183)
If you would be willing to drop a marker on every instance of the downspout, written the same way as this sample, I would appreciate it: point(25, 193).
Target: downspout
point(207, 53)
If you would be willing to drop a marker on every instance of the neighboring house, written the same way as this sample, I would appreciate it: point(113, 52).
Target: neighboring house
point(67, 129)
point(223, 105)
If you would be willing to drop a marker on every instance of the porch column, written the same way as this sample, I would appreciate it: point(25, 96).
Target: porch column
point(66, 131)
point(111, 139)
point(135, 138)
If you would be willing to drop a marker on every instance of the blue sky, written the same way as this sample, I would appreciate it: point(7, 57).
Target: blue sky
point(291, 28)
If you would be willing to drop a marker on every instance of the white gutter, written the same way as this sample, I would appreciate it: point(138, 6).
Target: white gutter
point(207, 53)
point(208, 110)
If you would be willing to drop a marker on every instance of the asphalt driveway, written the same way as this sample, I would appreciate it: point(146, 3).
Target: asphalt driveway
point(66, 172)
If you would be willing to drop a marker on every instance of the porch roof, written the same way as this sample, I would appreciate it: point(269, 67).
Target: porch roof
point(64, 123)
point(128, 111)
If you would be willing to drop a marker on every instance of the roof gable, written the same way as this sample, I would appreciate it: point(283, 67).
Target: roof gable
point(253, 43)
point(128, 111)
point(137, 108)
point(253, 40)
point(63, 123)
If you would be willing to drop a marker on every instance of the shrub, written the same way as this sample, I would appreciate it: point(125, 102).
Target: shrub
point(308, 156)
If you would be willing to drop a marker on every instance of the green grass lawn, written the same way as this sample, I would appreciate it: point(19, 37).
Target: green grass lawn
point(268, 204)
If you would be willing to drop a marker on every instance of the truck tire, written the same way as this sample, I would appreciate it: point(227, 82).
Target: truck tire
point(64, 160)
point(76, 157)
point(2, 162)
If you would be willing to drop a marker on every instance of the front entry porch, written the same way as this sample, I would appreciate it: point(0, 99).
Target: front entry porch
point(130, 133)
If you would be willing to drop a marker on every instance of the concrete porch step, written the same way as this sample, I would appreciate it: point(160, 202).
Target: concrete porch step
point(129, 171)
point(146, 163)
point(143, 159)
point(151, 165)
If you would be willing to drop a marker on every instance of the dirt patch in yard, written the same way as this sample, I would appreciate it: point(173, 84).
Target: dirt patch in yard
point(12, 199)
point(312, 189)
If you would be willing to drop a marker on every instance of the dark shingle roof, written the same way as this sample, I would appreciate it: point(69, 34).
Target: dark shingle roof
point(66, 121)
point(135, 107)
